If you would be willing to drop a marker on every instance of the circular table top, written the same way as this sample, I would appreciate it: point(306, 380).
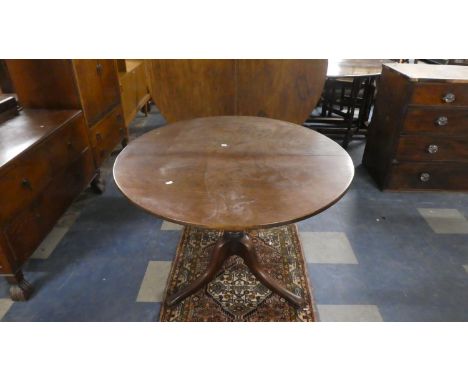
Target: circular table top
point(355, 68)
point(233, 173)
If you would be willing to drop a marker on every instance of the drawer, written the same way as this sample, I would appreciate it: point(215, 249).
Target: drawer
point(107, 134)
point(99, 87)
point(428, 176)
point(27, 230)
point(448, 94)
point(438, 120)
point(432, 148)
point(29, 173)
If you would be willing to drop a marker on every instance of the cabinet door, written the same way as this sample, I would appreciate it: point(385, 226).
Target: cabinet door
point(99, 88)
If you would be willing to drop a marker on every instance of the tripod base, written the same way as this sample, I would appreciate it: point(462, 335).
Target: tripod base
point(238, 243)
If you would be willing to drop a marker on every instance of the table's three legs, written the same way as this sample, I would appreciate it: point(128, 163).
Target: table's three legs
point(235, 243)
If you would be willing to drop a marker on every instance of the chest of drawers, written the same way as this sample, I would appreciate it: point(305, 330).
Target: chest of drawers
point(71, 121)
point(418, 138)
point(45, 162)
point(89, 85)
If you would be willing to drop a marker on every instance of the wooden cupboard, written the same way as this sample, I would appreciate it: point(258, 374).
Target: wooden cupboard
point(71, 121)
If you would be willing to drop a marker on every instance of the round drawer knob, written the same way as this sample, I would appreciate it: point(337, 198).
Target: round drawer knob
point(432, 149)
point(25, 183)
point(424, 177)
point(441, 121)
point(448, 98)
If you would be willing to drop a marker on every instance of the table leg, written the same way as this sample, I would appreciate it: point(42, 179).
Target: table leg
point(250, 257)
point(235, 243)
point(219, 254)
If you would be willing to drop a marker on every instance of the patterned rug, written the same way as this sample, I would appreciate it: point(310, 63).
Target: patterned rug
point(235, 294)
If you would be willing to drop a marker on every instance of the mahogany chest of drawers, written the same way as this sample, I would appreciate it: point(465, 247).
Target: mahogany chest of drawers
point(45, 162)
point(418, 138)
point(89, 85)
point(71, 121)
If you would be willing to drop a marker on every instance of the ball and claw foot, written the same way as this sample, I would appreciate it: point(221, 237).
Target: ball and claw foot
point(20, 289)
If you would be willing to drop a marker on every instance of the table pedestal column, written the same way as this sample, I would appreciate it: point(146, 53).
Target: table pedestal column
point(235, 243)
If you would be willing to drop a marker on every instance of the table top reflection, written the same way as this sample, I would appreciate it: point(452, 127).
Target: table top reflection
point(355, 68)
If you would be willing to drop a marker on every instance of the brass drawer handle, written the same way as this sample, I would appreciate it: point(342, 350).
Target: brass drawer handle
point(424, 177)
point(448, 98)
point(432, 149)
point(441, 121)
point(25, 183)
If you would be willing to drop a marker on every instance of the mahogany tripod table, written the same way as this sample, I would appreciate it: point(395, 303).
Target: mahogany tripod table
point(233, 174)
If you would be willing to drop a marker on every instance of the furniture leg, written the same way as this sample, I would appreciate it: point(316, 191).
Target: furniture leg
point(235, 243)
point(20, 289)
point(350, 115)
point(250, 257)
point(98, 184)
point(219, 254)
point(145, 109)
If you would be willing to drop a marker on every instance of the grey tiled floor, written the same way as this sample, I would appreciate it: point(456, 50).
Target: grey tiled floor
point(373, 256)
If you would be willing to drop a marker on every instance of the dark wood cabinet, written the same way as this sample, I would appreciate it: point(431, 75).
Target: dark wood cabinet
point(418, 138)
point(71, 121)
point(98, 85)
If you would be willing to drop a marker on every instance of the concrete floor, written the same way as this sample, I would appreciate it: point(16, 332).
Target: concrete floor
point(373, 256)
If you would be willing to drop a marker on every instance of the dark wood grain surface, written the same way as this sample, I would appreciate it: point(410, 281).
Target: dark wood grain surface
point(428, 121)
point(31, 126)
point(280, 89)
point(44, 84)
point(233, 173)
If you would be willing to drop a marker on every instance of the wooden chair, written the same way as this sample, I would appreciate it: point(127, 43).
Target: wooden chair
point(281, 89)
point(345, 107)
